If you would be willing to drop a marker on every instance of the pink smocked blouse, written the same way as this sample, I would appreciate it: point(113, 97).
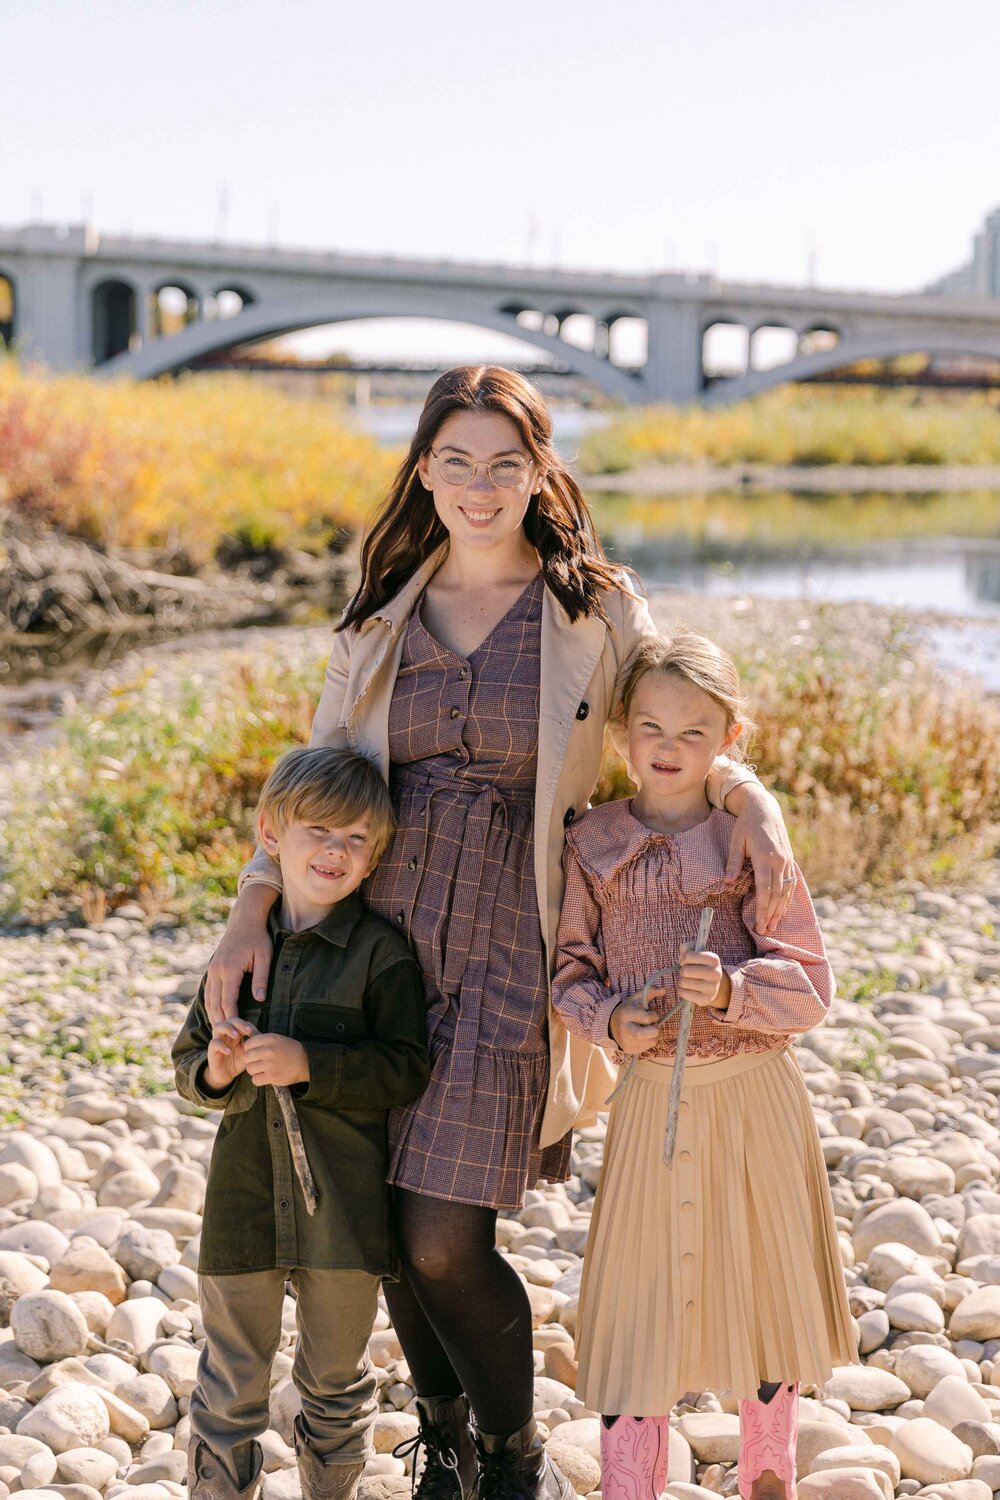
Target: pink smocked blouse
point(634, 896)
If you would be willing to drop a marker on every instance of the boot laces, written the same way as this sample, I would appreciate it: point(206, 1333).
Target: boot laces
point(500, 1475)
point(440, 1479)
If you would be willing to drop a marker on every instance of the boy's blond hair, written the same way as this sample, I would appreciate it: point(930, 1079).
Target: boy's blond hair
point(320, 785)
point(700, 661)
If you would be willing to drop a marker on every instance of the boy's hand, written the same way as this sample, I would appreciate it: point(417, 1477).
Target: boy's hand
point(633, 1025)
point(226, 1060)
point(702, 980)
point(275, 1059)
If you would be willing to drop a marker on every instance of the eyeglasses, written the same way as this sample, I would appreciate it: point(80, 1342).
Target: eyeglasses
point(506, 473)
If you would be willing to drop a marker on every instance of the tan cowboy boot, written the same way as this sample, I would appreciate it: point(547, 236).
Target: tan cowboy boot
point(768, 1434)
point(209, 1479)
point(324, 1481)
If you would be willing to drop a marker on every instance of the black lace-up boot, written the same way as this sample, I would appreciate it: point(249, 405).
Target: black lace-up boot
point(445, 1434)
point(515, 1466)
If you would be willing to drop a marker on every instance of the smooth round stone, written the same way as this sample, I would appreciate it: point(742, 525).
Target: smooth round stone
point(980, 1236)
point(818, 1435)
point(89, 1268)
point(866, 1388)
point(125, 1189)
point(914, 1312)
point(172, 1465)
point(27, 1151)
point(929, 1452)
point(875, 1457)
point(145, 1253)
point(17, 1448)
point(873, 1330)
point(177, 1365)
point(582, 1471)
point(17, 1184)
point(887, 1263)
point(953, 1400)
point(34, 1237)
point(900, 1222)
point(714, 1437)
point(19, 1276)
point(137, 1322)
point(916, 1176)
point(86, 1466)
point(180, 1283)
point(95, 1109)
point(150, 1396)
point(48, 1326)
point(184, 1188)
point(71, 1416)
point(922, 1366)
point(39, 1470)
point(96, 1309)
point(982, 1437)
point(110, 1367)
point(392, 1428)
point(977, 1316)
point(583, 1433)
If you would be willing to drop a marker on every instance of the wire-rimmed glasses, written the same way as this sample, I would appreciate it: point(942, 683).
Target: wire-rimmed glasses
point(507, 473)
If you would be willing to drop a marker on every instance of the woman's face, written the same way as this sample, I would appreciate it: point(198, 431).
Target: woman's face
point(478, 512)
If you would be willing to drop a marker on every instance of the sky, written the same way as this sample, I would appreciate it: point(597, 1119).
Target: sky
point(854, 143)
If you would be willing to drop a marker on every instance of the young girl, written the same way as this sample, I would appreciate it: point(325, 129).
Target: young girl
point(723, 1271)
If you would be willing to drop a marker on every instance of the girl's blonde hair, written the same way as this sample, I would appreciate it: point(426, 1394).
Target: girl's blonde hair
point(699, 661)
point(317, 784)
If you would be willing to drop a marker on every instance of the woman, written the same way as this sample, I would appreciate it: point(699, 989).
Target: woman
point(477, 664)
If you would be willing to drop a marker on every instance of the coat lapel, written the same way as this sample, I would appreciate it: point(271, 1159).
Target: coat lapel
point(570, 653)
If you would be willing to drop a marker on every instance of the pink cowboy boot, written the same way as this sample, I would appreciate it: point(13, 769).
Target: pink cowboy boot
point(634, 1453)
point(768, 1433)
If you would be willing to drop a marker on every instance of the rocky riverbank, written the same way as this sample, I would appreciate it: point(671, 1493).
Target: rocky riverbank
point(102, 1172)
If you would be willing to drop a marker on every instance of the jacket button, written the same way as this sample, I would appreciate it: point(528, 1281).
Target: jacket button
point(283, 1204)
point(568, 817)
point(340, 1025)
point(583, 710)
point(286, 966)
point(275, 1124)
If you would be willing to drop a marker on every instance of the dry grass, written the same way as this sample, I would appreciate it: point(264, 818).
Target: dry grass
point(183, 464)
point(799, 425)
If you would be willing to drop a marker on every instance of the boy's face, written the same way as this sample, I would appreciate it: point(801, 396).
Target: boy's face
point(320, 863)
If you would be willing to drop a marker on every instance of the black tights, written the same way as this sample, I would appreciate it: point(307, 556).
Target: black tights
point(460, 1310)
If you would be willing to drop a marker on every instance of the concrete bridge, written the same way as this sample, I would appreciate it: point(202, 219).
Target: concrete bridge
point(78, 299)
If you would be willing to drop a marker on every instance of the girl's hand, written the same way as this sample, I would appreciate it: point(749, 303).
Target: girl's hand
point(761, 837)
point(275, 1059)
point(703, 981)
point(226, 1060)
point(245, 948)
point(633, 1025)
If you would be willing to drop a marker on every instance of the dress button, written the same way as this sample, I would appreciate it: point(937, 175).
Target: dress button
point(454, 713)
point(411, 864)
point(688, 1258)
point(463, 672)
point(689, 1307)
point(400, 918)
point(583, 710)
point(685, 1105)
point(685, 1156)
point(687, 1208)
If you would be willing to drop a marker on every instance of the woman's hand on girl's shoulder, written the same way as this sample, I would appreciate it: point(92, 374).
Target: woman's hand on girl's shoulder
point(760, 836)
point(633, 1025)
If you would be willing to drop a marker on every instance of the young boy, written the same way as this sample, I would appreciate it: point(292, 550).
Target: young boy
point(314, 1068)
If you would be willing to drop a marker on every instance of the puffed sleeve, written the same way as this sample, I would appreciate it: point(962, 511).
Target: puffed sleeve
point(788, 987)
point(580, 993)
point(638, 626)
point(326, 730)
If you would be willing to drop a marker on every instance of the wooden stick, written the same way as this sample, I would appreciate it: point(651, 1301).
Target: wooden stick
point(680, 1056)
point(297, 1146)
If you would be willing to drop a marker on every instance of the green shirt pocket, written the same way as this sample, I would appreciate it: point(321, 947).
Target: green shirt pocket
point(318, 1022)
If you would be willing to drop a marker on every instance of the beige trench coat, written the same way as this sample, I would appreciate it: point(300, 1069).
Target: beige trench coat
point(581, 665)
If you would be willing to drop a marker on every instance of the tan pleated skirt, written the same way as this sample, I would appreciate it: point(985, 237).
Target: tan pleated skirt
point(724, 1271)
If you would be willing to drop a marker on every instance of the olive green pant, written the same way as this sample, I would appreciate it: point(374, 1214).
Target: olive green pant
point(332, 1371)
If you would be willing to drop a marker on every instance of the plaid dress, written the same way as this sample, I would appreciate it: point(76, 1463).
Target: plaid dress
point(459, 882)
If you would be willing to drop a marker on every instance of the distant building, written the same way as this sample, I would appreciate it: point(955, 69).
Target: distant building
point(980, 277)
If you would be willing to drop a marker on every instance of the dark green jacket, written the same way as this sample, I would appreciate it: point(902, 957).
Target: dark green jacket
point(350, 991)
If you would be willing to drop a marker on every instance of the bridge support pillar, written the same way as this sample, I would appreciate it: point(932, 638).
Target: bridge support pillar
point(673, 359)
point(51, 313)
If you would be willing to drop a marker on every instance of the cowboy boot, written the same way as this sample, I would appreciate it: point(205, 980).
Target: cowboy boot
point(515, 1466)
point(209, 1479)
point(768, 1434)
point(634, 1452)
point(324, 1481)
point(445, 1434)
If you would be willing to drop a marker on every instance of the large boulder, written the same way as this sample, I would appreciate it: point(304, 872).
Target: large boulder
point(48, 1325)
point(71, 1416)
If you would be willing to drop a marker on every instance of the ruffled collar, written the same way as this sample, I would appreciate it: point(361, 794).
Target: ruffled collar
point(608, 838)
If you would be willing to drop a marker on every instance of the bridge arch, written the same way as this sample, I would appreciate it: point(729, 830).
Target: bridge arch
point(266, 320)
point(113, 304)
point(8, 309)
point(887, 345)
point(228, 300)
point(174, 305)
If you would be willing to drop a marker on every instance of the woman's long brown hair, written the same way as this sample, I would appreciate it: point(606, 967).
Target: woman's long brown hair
point(558, 523)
